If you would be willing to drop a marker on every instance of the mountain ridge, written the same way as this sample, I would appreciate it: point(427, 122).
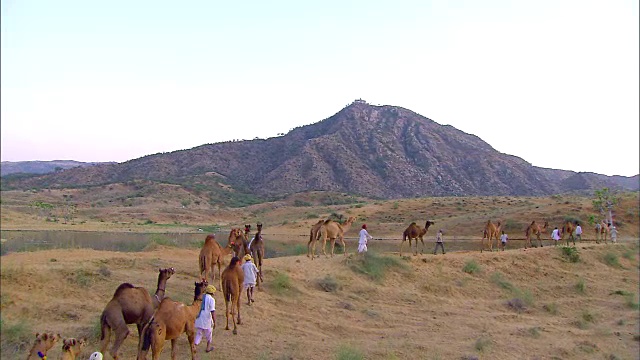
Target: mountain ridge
point(375, 151)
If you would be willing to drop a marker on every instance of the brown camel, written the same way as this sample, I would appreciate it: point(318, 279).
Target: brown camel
point(257, 252)
point(169, 322)
point(238, 240)
point(72, 347)
point(602, 230)
point(313, 235)
point(232, 279)
point(130, 305)
point(491, 231)
point(333, 230)
point(415, 232)
point(42, 344)
point(211, 255)
point(568, 228)
point(534, 229)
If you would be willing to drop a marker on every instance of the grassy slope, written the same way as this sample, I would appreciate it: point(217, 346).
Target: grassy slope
point(423, 307)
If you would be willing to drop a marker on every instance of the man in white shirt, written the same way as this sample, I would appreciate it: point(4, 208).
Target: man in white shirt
point(206, 320)
point(250, 271)
point(578, 231)
point(364, 239)
point(503, 240)
point(555, 235)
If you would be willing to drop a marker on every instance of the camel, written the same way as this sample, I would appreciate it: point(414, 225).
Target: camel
point(43, 343)
point(313, 234)
point(238, 240)
point(169, 322)
point(257, 252)
point(130, 305)
point(568, 228)
point(211, 255)
point(415, 232)
point(491, 231)
point(602, 229)
point(534, 229)
point(333, 230)
point(232, 279)
point(72, 347)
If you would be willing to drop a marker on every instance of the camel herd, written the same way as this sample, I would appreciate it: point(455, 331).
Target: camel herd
point(159, 318)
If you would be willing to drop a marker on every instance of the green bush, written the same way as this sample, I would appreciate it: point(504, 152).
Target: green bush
point(16, 338)
point(581, 286)
point(375, 267)
point(281, 283)
point(471, 267)
point(571, 253)
point(345, 352)
point(611, 259)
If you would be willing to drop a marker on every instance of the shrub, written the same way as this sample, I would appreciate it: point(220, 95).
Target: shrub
point(346, 352)
point(471, 267)
point(611, 259)
point(571, 253)
point(517, 304)
point(328, 284)
point(375, 266)
point(16, 337)
point(483, 343)
point(498, 279)
point(581, 287)
point(281, 283)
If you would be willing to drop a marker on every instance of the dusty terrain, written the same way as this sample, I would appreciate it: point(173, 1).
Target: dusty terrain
point(533, 304)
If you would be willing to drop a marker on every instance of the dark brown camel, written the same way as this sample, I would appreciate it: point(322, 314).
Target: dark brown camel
point(568, 228)
point(415, 232)
point(211, 255)
point(130, 305)
point(42, 344)
point(313, 235)
point(534, 229)
point(238, 240)
point(257, 252)
point(232, 279)
point(491, 231)
point(72, 347)
point(602, 230)
point(171, 320)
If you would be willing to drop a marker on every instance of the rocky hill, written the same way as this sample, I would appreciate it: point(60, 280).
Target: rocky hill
point(374, 151)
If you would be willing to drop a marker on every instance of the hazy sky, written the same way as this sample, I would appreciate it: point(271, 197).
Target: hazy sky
point(553, 82)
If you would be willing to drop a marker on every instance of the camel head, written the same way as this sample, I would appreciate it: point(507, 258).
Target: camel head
point(44, 342)
point(350, 220)
point(73, 345)
point(166, 273)
point(429, 223)
point(199, 289)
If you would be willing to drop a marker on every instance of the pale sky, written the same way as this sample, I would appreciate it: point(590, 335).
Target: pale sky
point(553, 82)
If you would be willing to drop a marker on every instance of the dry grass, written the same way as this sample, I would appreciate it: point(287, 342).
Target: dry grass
point(463, 305)
point(364, 317)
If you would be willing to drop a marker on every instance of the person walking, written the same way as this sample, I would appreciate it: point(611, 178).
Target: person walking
point(439, 242)
point(364, 239)
point(578, 231)
point(613, 232)
point(555, 235)
point(206, 320)
point(250, 271)
point(503, 240)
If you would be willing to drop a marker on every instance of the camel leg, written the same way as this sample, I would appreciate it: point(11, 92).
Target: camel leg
point(121, 333)
point(226, 305)
point(158, 346)
point(234, 299)
point(174, 349)
point(324, 245)
point(402, 243)
point(107, 338)
point(238, 309)
point(422, 241)
point(333, 245)
point(344, 246)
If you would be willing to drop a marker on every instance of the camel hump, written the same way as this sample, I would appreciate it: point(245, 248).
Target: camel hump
point(327, 221)
point(122, 287)
point(413, 224)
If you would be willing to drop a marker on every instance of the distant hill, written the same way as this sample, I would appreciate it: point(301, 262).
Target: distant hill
point(42, 167)
point(374, 151)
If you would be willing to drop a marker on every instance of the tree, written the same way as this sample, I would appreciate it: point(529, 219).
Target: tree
point(605, 200)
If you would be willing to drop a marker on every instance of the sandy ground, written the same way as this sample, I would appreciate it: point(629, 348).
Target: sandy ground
point(424, 307)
